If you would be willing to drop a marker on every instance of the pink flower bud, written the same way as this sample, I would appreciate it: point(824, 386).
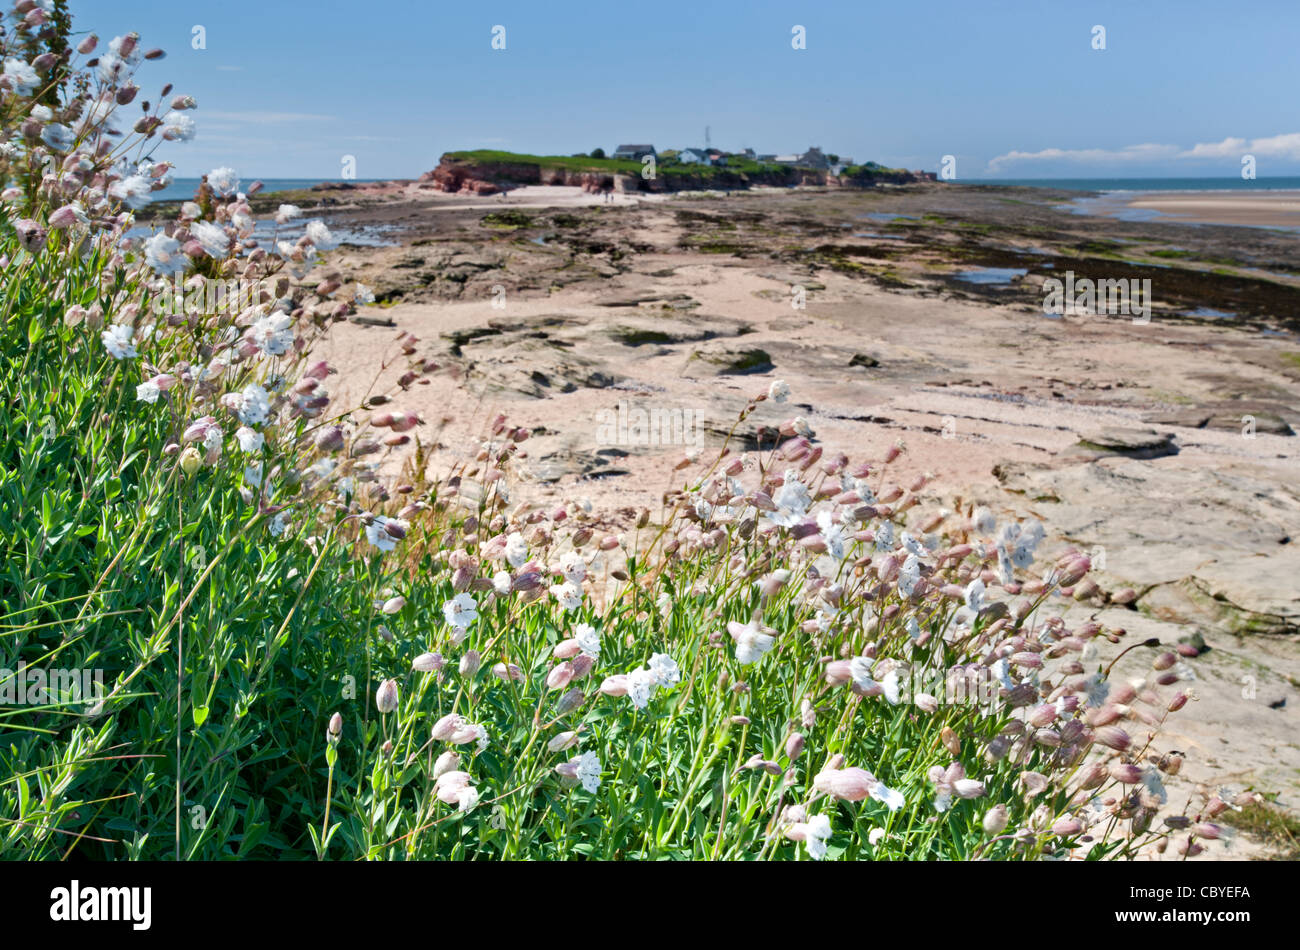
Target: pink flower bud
point(470, 662)
point(1113, 737)
point(427, 663)
point(615, 685)
point(447, 726)
point(560, 676)
point(386, 696)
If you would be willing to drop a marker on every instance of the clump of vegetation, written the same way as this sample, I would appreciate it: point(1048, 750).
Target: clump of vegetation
point(799, 656)
point(507, 220)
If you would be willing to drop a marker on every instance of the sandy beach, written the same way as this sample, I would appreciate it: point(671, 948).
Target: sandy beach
point(1270, 209)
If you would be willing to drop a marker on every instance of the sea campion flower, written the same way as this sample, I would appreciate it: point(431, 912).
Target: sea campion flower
point(516, 550)
point(792, 500)
point(639, 686)
point(588, 771)
point(250, 440)
point(163, 254)
point(21, 77)
point(211, 237)
point(779, 391)
point(117, 340)
point(178, 127)
point(224, 181)
point(664, 669)
point(567, 595)
point(573, 567)
point(751, 641)
point(384, 532)
point(588, 640)
point(254, 405)
point(273, 334)
point(135, 191)
point(287, 213)
point(320, 236)
point(461, 611)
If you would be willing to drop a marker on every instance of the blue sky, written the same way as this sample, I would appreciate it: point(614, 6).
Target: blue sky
point(1011, 89)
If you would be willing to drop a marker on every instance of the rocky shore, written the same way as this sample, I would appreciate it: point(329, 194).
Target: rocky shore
point(1165, 448)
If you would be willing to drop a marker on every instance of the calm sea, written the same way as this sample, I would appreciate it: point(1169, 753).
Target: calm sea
point(1280, 183)
point(182, 189)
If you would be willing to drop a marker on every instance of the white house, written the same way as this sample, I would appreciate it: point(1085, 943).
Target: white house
point(694, 156)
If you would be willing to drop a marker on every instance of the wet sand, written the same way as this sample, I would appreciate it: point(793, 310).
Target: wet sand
point(1271, 209)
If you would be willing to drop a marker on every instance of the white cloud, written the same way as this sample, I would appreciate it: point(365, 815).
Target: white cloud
point(1277, 146)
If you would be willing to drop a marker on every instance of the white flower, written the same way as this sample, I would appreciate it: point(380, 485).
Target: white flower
point(1096, 687)
point(22, 77)
point(273, 334)
point(163, 253)
point(287, 213)
point(363, 294)
point(834, 535)
point(913, 628)
point(888, 797)
point(58, 137)
point(588, 639)
point(178, 127)
point(1006, 566)
point(460, 611)
point(817, 832)
point(516, 549)
point(255, 405)
point(589, 771)
point(134, 190)
point(664, 669)
point(909, 575)
point(975, 595)
point(147, 391)
point(1002, 670)
point(779, 391)
point(573, 567)
point(212, 237)
point(885, 536)
point(501, 583)
point(751, 641)
point(279, 523)
point(912, 545)
point(250, 440)
point(117, 340)
point(467, 798)
point(640, 687)
point(320, 236)
point(224, 181)
point(568, 595)
point(892, 687)
point(791, 499)
point(984, 520)
point(253, 474)
point(860, 670)
point(377, 532)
